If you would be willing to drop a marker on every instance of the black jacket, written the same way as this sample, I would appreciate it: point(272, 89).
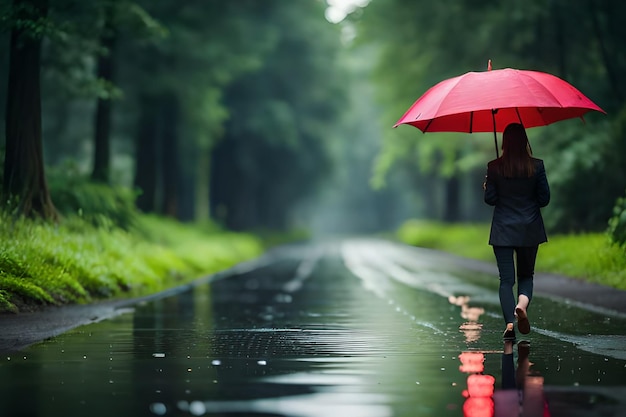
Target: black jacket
point(517, 217)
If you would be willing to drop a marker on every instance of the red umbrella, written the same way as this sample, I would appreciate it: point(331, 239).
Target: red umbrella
point(488, 101)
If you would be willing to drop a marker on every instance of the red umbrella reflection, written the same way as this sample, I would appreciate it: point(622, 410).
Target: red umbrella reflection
point(479, 392)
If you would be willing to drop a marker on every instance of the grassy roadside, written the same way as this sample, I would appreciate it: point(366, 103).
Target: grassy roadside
point(76, 262)
point(589, 256)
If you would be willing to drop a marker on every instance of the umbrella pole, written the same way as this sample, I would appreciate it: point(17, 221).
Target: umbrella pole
point(495, 137)
point(495, 140)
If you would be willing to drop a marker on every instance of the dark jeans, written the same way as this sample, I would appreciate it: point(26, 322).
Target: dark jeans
point(525, 258)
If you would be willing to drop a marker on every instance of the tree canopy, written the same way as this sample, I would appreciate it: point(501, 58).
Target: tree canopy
point(149, 92)
point(263, 114)
point(421, 43)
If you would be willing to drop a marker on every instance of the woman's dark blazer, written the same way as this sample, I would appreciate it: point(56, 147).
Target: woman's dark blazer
point(517, 217)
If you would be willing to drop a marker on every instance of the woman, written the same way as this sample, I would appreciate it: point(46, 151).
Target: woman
point(516, 184)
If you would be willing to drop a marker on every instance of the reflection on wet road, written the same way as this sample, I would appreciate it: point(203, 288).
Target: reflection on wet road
point(356, 328)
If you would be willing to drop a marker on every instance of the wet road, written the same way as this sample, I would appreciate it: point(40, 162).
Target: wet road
point(354, 328)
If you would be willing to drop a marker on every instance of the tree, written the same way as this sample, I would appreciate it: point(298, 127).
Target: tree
point(105, 71)
point(179, 81)
point(422, 42)
point(116, 20)
point(25, 189)
point(276, 149)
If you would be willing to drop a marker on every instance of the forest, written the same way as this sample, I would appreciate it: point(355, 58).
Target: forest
point(265, 115)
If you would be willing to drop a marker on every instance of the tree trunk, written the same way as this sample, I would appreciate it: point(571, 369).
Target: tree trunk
point(146, 155)
point(202, 207)
point(218, 180)
point(452, 208)
point(228, 185)
point(559, 33)
point(24, 186)
point(188, 181)
point(169, 166)
point(604, 50)
point(102, 129)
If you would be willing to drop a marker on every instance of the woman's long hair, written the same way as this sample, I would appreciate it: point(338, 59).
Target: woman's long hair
point(516, 159)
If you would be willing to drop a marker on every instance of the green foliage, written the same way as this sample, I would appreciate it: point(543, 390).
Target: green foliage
point(5, 305)
point(582, 161)
point(589, 256)
point(421, 43)
point(2, 152)
point(617, 223)
point(199, 35)
point(76, 262)
point(276, 151)
point(614, 155)
point(26, 17)
point(272, 238)
point(99, 204)
point(469, 240)
point(75, 32)
point(201, 246)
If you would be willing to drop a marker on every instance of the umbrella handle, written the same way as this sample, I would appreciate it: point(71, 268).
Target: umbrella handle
point(495, 137)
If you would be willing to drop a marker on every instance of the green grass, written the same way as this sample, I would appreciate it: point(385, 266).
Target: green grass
point(589, 256)
point(77, 262)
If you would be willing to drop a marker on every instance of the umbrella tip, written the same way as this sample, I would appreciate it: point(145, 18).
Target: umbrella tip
point(489, 65)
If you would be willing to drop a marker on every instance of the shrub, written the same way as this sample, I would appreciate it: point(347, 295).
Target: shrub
point(101, 205)
point(617, 223)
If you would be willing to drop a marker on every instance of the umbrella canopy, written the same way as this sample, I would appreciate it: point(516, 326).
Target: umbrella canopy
point(490, 100)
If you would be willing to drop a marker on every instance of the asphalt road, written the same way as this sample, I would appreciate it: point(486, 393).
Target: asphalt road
point(361, 327)
point(18, 331)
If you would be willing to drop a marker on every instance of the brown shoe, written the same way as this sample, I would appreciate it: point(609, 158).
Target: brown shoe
point(509, 334)
point(523, 325)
